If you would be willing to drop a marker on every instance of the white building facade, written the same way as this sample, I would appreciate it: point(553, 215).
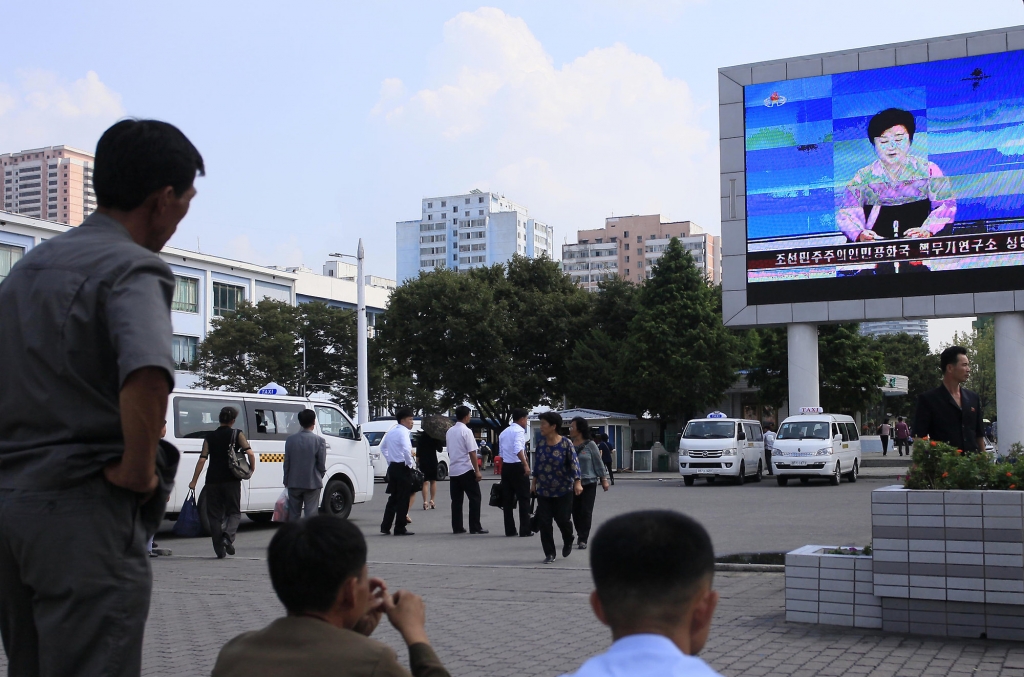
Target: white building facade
point(468, 231)
point(912, 327)
point(207, 287)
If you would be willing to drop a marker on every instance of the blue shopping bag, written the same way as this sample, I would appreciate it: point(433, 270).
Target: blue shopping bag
point(188, 524)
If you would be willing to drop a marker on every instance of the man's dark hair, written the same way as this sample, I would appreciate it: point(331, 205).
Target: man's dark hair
point(648, 565)
point(136, 157)
point(552, 417)
point(950, 355)
point(888, 118)
point(404, 412)
point(228, 414)
point(582, 426)
point(518, 413)
point(461, 412)
point(307, 417)
point(310, 559)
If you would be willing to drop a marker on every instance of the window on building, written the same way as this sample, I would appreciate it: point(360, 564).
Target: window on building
point(430, 217)
point(639, 239)
point(183, 348)
point(186, 294)
point(9, 255)
point(480, 212)
point(443, 215)
point(627, 259)
point(466, 214)
point(467, 200)
point(480, 200)
point(226, 298)
point(430, 205)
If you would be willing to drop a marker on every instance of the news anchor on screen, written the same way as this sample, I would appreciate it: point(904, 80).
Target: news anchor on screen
point(898, 195)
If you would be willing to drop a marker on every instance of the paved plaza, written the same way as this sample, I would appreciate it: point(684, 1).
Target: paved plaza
point(493, 609)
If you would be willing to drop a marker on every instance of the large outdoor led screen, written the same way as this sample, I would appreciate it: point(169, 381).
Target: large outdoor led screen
point(901, 181)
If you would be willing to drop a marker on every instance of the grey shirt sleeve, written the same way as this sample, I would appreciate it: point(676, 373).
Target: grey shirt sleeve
point(321, 456)
point(138, 313)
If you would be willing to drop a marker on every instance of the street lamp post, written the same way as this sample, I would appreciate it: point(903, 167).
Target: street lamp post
point(362, 375)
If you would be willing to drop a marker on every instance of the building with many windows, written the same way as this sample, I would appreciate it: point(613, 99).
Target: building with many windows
point(912, 327)
point(52, 183)
point(207, 287)
point(468, 231)
point(628, 246)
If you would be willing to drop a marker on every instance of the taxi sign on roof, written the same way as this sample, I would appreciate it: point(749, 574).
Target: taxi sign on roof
point(273, 389)
point(811, 410)
point(716, 414)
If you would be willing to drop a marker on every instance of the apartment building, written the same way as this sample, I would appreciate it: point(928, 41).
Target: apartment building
point(52, 183)
point(468, 231)
point(628, 246)
point(912, 327)
point(207, 287)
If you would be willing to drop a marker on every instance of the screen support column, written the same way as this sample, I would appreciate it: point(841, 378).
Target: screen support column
point(803, 366)
point(1009, 330)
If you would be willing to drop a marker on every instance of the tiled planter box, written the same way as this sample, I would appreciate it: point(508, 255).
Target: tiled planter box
point(830, 589)
point(949, 562)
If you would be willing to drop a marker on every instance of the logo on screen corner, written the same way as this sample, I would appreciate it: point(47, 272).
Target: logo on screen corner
point(775, 99)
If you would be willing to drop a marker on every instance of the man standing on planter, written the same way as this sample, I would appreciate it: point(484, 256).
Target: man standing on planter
point(951, 413)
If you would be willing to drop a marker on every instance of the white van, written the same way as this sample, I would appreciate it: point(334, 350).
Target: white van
point(267, 421)
point(716, 447)
point(374, 432)
point(817, 445)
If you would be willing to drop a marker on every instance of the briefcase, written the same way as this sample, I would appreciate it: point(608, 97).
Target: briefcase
point(495, 498)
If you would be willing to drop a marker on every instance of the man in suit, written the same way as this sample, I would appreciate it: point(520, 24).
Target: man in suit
point(952, 413)
point(318, 570)
point(305, 462)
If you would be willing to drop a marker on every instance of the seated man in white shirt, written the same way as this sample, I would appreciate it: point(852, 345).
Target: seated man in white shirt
point(659, 620)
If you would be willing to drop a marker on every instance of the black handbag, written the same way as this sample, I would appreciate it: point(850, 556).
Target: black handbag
point(416, 479)
point(238, 460)
point(495, 498)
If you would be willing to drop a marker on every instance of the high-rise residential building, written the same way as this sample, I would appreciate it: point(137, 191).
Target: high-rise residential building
point(628, 246)
point(912, 327)
point(468, 231)
point(52, 183)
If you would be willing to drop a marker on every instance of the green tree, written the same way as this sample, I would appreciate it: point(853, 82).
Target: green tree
point(497, 337)
point(769, 372)
point(264, 342)
point(600, 378)
point(908, 355)
point(680, 356)
point(850, 368)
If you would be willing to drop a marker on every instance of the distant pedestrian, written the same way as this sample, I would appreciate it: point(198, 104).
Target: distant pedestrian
point(607, 455)
point(515, 475)
point(223, 490)
point(556, 478)
point(465, 473)
point(902, 436)
point(592, 472)
point(769, 445)
point(396, 448)
point(85, 370)
point(883, 433)
point(305, 462)
point(427, 449)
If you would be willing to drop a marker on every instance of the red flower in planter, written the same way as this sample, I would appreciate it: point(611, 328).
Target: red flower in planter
point(959, 451)
point(1013, 486)
point(945, 474)
point(934, 444)
point(1009, 474)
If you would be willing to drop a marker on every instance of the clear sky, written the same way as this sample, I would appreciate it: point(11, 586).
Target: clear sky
point(323, 122)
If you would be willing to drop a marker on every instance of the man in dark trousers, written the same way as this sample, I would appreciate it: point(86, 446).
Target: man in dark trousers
point(515, 475)
point(397, 450)
point(464, 473)
point(305, 462)
point(86, 365)
point(951, 413)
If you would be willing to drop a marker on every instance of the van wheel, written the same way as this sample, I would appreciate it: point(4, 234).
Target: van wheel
point(260, 517)
point(836, 476)
point(711, 479)
point(442, 471)
point(338, 499)
point(852, 476)
point(805, 480)
point(688, 480)
point(760, 471)
point(782, 480)
point(204, 519)
point(742, 477)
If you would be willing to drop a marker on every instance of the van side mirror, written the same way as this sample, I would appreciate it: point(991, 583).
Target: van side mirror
point(838, 438)
point(359, 433)
point(741, 435)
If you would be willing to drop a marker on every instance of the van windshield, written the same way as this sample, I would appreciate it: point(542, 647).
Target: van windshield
point(710, 430)
point(804, 430)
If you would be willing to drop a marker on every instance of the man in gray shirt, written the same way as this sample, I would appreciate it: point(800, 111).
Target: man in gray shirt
point(85, 353)
point(305, 459)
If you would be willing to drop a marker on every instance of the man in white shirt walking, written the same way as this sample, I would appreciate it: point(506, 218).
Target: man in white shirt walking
point(515, 475)
point(396, 447)
point(464, 473)
point(659, 621)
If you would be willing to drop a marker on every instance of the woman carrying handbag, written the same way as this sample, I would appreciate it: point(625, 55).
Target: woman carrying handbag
point(223, 447)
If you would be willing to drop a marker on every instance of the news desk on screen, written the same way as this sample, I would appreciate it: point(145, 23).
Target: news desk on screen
point(896, 181)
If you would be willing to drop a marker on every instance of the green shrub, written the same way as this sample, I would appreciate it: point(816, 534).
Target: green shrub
point(937, 465)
